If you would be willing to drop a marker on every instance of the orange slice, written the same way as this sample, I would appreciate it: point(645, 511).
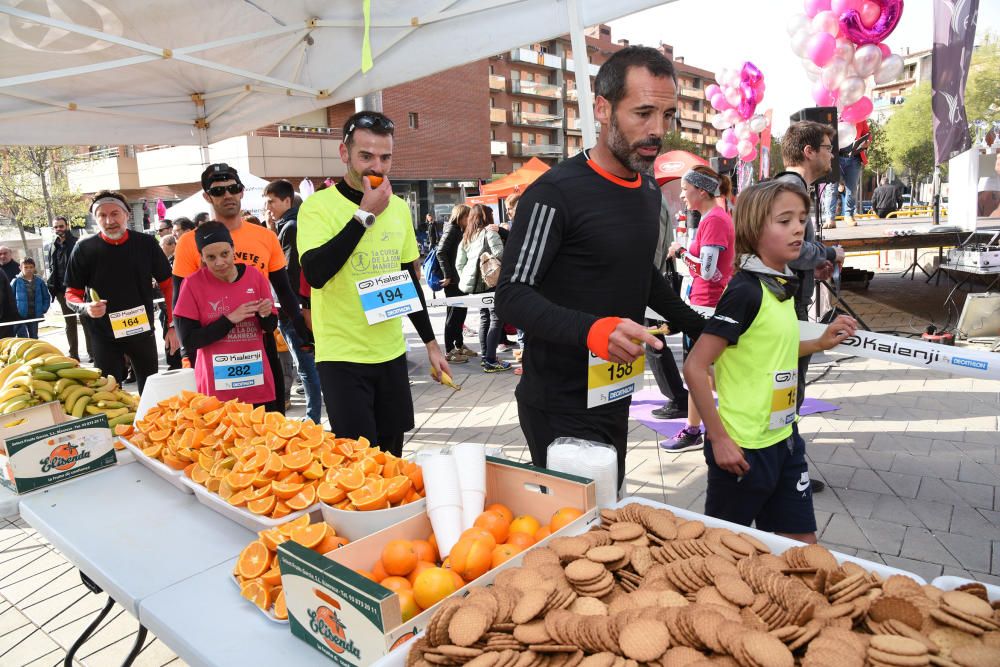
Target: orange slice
point(253, 560)
point(272, 538)
point(280, 609)
point(239, 480)
point(272, 577)
point(330, 542)
point(257, 416)
point(262, 506)
point(153, 451)
point(238, 499)
point(314, 471)
point(303, 499)
point(256, 593)
point(285, 490)
point(287, 528)
point(273, 465)
point(397, 488)
point(289, 429)
point(199, 475)
point(365, 500)
point(258, 458)
point(160, 436)
point(331, 460)
point(280, 510)
point(330, 493)
point(174, 462)
point(299, 460)
point(349, 480)
point(310, 536)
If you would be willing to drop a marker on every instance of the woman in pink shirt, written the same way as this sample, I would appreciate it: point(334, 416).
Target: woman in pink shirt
point(711, 260)
point(223, 311)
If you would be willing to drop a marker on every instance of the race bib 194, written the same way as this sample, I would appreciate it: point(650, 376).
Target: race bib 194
point(129, 322)
point(388, 296)
point(608, 382)
point(239, 370)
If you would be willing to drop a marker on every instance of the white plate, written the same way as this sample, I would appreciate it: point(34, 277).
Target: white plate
point(269, 613)
point(242, 516)
point(173, 477)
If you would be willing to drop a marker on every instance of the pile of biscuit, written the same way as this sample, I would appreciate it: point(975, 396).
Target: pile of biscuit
point(650, 588)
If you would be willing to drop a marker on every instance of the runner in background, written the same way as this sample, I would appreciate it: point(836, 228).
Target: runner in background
point(224, 310)
point(119, 268)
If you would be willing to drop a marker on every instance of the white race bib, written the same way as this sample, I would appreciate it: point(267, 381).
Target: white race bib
point(239, 370)
point(129, 322)
point(608, 382)
point(783, 393)
point(388, 296)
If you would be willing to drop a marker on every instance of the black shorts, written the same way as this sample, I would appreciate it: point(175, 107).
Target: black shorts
point(775, 493)
point(370, 400)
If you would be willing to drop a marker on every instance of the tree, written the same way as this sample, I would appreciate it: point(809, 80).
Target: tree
point(982, 92)
point(673, 141)
point(34, 188)
point(879, 159)
point(910, 137)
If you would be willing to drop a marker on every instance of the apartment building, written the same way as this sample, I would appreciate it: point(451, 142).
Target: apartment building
point(887, 96)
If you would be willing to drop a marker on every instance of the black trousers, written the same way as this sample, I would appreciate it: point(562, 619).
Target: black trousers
point(110, 355)
point(541, 427)
point(454, 320)
point(173, 360)
point(271, 350)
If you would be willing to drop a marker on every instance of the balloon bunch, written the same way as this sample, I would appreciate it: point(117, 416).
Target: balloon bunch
point(736, 98)
point(841, 45)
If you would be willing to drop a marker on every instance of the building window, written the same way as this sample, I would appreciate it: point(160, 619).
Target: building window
point(493, 103)
point(492, 71)
point(414, 120)
point(517, 165)
point(515, 75)
point(515, 136)
point(493, 135)
point(494, 166)
point(515, 107)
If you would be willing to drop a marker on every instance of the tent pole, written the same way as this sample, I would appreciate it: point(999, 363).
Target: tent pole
point(582, 66)
point(370, 102)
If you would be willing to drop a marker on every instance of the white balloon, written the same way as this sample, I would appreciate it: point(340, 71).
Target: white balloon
point(720, 78)
point(812, 71)
point(851, 90)
point(890, 69)
point(731, 116)
point(800, 41)
point(718, 122)
point(758, 123)
point(743, 131)
point(833, 74)
point(867, 60)
point(732, 96)
point(826, 22)
point(744, 146)
point(845, 50)
point(734, 79)
point(797, 22)
point(846, 134)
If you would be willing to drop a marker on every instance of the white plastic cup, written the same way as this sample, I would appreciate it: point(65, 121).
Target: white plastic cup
point(441, 482)
point(473, 503)
point(446, 520)
point(470, 459)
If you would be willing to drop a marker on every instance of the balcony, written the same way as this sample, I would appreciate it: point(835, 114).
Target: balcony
point(572, 94)
point(696, 93)
point(103, 170)
point(547, 90)
point(519, 149)
point(498, 115)
point(535, 58)
point(570, 67)
point(692, 115)
point(498, 82)
point(498, 148)
point(531, 119)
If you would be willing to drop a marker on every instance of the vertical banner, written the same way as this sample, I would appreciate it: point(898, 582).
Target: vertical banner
point(765, 148)
point(954, 34)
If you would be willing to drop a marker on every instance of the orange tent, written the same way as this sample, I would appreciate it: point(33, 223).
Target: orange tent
point(520, 179)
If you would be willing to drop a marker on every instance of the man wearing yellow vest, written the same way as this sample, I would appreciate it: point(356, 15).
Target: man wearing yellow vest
point(357, 248)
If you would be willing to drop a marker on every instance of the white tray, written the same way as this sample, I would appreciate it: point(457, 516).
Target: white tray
point(123, 456)
point(355, 525)
point(244, 517)
point(173, 477)
point(776, 543)
point(951, 583)
point(269, 614)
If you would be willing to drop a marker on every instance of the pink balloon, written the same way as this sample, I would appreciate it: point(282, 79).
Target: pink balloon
point(719, 102)
point(749, 157)
point(821, 48)
point(814, 7)
point(822, 95)
point(886, 51)
point(869, 12)
point(727, 150)
point(711, 90)
point(852, 23)
point(838, 7)
point(729, 136)
point(858, 111)
point(753, 138)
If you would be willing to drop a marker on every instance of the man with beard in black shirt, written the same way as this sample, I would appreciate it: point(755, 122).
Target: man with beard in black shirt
point(578, 268)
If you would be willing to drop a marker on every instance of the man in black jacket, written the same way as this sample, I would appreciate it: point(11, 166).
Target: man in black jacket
point(454, 319)
point(578, 268)
point(57, 259)
point(886, 198)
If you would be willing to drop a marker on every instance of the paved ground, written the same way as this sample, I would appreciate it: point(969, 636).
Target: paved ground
point(909, 458)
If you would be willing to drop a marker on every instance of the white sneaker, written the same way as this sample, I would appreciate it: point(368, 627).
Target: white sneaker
point(849, 221)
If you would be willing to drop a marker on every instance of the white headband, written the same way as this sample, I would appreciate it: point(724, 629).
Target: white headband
point(109, 200)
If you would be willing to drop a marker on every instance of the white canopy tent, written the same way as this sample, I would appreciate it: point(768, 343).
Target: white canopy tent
point(183, 72)
point(253, 200)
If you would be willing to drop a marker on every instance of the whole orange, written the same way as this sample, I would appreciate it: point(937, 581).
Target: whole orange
point(471, 557)
point(502, 509)
point(407, 604)
point(425, 551)
point(525, 524)
point(396, 583)
point(399, 557)
point(522, 540)
point(563, 517)
point(496, 523)
point(504, 553)
point(421, 566)
point(433, 585)
point(481, 533)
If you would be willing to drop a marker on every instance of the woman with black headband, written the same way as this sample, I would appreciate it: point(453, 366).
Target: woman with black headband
point(223, 310)
point(119, 268)
point(711, 260)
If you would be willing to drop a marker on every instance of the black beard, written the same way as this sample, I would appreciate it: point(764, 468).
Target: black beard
point(625, 152)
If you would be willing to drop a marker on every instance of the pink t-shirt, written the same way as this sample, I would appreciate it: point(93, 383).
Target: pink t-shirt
point(716, 228)
point(235, 366)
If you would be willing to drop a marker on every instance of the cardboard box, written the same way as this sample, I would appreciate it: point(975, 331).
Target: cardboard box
point(41, 446)
point(354, 621)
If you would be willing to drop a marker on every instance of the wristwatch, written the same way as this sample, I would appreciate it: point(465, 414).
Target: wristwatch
point(365, 218)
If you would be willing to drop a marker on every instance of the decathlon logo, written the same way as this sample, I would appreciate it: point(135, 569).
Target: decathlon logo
point(32, 36)
point(970, 363)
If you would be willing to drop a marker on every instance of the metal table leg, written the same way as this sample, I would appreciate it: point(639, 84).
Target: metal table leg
point(140, 638)
point(82, 639)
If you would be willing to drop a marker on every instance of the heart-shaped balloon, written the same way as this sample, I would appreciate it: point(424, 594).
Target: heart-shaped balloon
point(750, 80)
point(853, 27)
point(890, 69)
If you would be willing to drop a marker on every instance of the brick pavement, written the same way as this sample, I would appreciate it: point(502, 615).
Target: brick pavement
point(909, 458)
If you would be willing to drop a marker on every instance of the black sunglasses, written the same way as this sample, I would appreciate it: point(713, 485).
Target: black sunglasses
point(368, 122)
point(166, 229)
point(219, 190)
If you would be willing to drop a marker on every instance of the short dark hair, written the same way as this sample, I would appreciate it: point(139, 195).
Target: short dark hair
point(610, 80)
point(61, 218)
point(28, 260)
point(281, 189)
point(185, 223)
point(200, 219)
point(373, 121)
point(801, 134)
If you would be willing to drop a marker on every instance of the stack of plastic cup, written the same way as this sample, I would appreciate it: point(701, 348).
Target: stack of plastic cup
point(444, 499)
point(563, 455)
point(471, 460)
point(600, 463)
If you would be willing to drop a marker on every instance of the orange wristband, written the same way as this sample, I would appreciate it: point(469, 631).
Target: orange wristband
point(600, 332)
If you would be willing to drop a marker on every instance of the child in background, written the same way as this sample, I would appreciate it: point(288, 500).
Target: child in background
point(223, 311)
point(757, 470)
point(32, 298)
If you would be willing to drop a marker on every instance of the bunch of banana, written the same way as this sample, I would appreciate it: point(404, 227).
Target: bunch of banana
point(36, 372)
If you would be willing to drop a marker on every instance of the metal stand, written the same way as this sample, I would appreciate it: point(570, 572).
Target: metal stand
point(140, 638)
point(912, 268)
point(839, 301)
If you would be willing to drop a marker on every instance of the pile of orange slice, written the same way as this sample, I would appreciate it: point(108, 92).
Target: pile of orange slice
point(257, 570)
point(267, 463)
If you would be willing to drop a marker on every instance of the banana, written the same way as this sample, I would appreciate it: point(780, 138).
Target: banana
point(71, 399)
point(94, 410)
point(109, 404)
point(80, 406)
point(6, 372)
point(111, 414)
point(52, 367)
point(45, 395)
point(60, 358)
point(37, 383)
point(18, 381)
point(126, 418)
point(8, 394)
point(41, 347)
point(445, 379)
point(15, 404)
point(19, 348)
point(62, 383)
point(79, 373)
point(101, 395)
point(111, 383)
point(44, 375)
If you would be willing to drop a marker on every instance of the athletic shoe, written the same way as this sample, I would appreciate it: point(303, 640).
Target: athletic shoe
point(670, 410)
point(495, 366)
point(829, 224)
point(685, 441)
point(849, 221)
point(817, 485)
point(456, 357)
point(501, 348)
point(466, 352)
point(299, 390)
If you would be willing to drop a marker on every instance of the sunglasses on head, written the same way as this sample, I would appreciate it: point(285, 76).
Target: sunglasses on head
point(369, 122)
point(219, 190)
